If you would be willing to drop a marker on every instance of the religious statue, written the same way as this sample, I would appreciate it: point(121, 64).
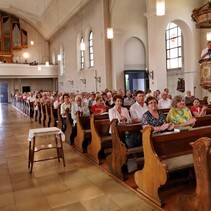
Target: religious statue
point(181, 85)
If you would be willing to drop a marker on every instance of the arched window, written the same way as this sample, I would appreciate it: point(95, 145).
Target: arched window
point(91, 50)
point(173, 46)
point(82, 54)
point(62, 62)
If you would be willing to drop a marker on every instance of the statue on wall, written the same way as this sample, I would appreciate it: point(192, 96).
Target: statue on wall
point(181, 85)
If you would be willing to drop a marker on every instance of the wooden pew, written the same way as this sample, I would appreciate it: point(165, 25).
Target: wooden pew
point(117, 160)
point(200, 199)
point(101, 138)
point(31, 109)
point(164, 111)
point(83, 132)
point(203, 121)
point(69, 127)
point(165, 153)
point(39, 114)
point(59, 124)
point(43, 115)
point(48, 114)
point(54, 117)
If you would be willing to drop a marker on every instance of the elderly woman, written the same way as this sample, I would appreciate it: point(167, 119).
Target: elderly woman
point(119, 112)
point(154, 118)
point(179, 114)
point(196, 110)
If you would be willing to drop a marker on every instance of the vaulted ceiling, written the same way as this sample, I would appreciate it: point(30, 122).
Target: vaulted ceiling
point(47, 16)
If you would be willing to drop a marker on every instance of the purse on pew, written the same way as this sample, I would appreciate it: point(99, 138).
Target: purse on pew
point(132, 165)
point(132, 139)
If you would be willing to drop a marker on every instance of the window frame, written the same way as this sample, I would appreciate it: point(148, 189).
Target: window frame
point(82, 55)
point(174, 51)
point(91, 50)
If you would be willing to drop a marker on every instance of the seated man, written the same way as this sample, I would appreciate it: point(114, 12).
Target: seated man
point(189, 98)
point(77, 107)
point(138, 108)
point(164, 102)
point(128, 100)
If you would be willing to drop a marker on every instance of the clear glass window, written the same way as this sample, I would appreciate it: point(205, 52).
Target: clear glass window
point(173, 46)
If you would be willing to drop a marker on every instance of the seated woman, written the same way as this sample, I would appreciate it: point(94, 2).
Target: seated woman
point(179, 114)
point(154, 118)
point(196, 110)
point(99, 107)
point(119, 112)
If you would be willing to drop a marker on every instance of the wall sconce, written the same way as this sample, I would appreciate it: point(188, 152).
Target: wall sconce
point(59, 57)
point(150, 73)
point(98, 79)
point(71, 82)
point(61, 83)
point(110, 33)
point(160, 7)
point(83, 80)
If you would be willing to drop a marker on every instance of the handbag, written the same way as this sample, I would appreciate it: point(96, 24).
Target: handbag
point(132, 139)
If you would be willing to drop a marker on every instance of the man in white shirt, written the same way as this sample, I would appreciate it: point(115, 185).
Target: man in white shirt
point(206, 52)
point(77, 107)
point(138, 108)
point(164, 102)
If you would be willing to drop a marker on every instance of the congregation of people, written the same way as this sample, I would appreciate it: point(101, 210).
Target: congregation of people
point(136, 107)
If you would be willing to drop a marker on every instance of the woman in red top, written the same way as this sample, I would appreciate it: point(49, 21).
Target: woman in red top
point(196, 110)
point(99, 107)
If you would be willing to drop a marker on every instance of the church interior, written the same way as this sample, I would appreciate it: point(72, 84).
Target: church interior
point(102, 46)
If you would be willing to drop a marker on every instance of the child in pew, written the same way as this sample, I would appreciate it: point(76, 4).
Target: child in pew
point(196, 110)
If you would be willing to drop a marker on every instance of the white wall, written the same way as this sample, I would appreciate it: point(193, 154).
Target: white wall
point(128, 21)
point(93, 18)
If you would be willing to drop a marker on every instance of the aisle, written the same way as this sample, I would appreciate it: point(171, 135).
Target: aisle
point(81, 185)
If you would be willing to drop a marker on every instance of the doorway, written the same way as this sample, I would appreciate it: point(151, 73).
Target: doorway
point(136, 80)
point(3, 92)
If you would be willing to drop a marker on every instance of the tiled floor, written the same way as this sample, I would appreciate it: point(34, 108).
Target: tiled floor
point(79, 186)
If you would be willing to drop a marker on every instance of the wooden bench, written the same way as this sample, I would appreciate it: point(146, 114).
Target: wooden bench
point(48, 114)
point(31, 104)
point(54, 117)
point(59, 123)
point(83, 132)
point(101, 138)
point(200, 199)
point(164, 111)
point(39, 114)
point(117, 160)
point(43, 115)
point(69, 127)
point(203, 121)
point(165, 153)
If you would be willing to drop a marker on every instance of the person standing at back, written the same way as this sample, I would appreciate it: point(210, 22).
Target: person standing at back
point(206, 52)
